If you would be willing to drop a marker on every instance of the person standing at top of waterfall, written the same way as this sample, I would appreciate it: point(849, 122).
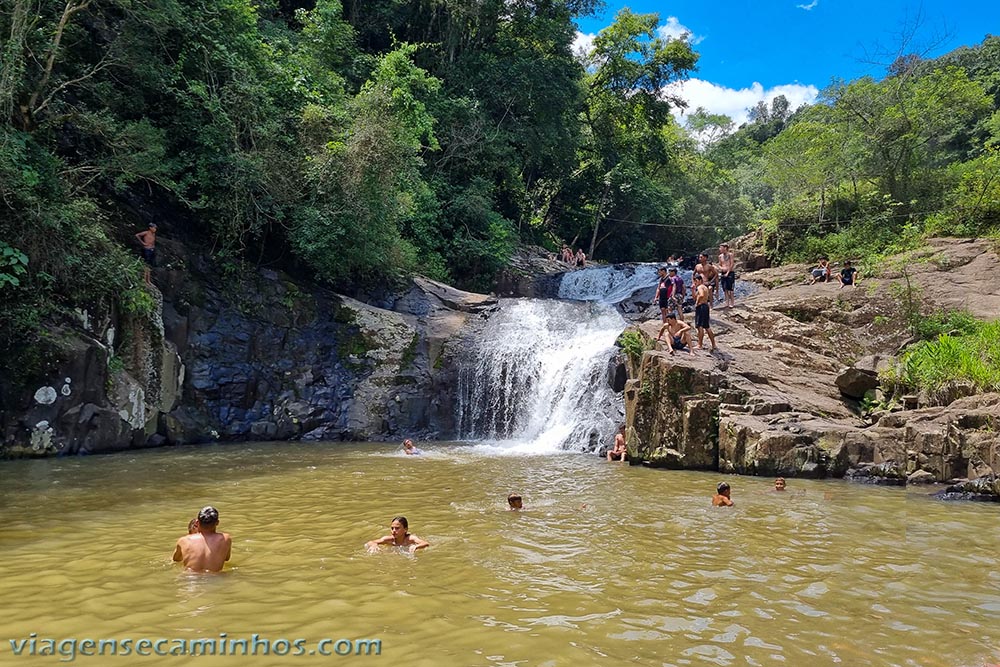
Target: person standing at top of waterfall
point(662, 297)
point(581, 258)
point(709, 273)
point(727, 275)
point(148, 241)
point(676, 293)
point(618, 452)
point(702, 311)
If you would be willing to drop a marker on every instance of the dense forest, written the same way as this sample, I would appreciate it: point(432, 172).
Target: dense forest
point(361, 142)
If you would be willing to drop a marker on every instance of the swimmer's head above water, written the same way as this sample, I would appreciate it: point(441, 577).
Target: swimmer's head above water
point(514, 500)
point(208, 516)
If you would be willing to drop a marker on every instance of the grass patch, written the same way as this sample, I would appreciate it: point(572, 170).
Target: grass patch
point(973, 357)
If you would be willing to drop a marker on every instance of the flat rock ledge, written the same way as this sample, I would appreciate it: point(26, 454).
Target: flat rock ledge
point(783, 394)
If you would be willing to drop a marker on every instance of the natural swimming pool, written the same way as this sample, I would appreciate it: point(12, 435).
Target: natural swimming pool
point(609, 564)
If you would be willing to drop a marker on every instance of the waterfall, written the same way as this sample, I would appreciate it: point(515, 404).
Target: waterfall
point(534, 378)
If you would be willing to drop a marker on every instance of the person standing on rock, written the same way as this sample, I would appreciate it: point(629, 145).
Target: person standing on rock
point(148, 241)
point(709, 273)
point(721, 497)
point(679, 332)
point(702, 312)
point(205, 550)
point(662, 297)
point(676, 293)
point(727, 271)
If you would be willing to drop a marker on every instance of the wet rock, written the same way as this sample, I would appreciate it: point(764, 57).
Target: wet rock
point(920, 477)
point(888, 473)
point(983, 489)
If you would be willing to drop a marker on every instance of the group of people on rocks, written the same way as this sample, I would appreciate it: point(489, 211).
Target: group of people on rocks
point(578, 259)
point(823, 273)
point(709, 280)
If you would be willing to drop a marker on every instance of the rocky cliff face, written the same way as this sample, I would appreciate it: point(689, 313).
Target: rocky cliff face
point(781, 396)
point(254, 356)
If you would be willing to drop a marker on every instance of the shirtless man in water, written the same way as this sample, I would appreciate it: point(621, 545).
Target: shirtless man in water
point(204, 550)
point(619, 452)
point(399, 537)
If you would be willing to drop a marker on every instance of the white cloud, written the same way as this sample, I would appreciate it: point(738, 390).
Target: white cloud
point(808, 7)
point(582, 44)
point(734, 103)
point(674, 29)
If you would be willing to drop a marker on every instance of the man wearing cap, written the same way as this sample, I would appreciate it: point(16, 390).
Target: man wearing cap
point(148, 241)
point(205, 550)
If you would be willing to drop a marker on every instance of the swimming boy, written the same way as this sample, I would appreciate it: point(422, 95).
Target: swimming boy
point(779, 484)
point(514, 502)
point(409, 449)
point(399, 537)
point(721, 497)
point(205, 550)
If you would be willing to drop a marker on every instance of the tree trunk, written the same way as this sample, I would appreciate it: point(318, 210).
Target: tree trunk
point(597, 221)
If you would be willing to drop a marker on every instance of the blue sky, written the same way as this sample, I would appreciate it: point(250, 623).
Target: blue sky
point(752, 50)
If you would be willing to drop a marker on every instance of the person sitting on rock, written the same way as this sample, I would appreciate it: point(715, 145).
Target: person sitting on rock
point(848, 275)
point(619, 451)
point(821, 273)
point(581, 258)
point(679, 332)
point(721, 497)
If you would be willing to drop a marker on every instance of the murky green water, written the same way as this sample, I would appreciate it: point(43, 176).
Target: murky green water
point(608, 565)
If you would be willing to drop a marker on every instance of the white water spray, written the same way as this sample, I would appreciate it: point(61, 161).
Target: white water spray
point(536, 379)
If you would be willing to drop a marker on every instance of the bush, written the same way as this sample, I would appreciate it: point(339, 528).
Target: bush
point(974, 357)
point(633, 343)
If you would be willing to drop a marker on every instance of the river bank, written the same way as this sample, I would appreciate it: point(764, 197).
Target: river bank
point(784, 394)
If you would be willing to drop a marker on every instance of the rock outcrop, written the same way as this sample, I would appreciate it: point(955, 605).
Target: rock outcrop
point(257, 356)
point(782, 396)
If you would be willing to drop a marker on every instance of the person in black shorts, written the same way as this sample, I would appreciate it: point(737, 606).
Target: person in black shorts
point(663, 293)
point(679, 332)
point(702, 311)
point(848, 275)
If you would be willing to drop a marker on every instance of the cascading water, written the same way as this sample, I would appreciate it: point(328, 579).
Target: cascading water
point(535, 379)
